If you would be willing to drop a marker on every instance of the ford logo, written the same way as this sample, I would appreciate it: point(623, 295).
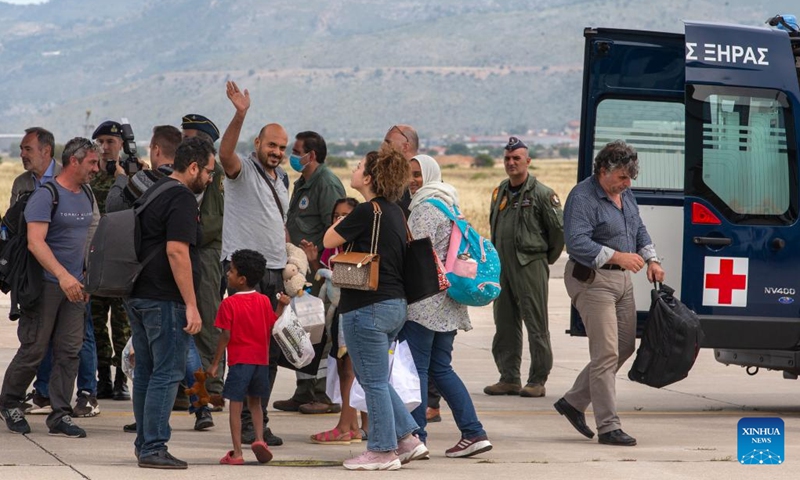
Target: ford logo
point(786, 300)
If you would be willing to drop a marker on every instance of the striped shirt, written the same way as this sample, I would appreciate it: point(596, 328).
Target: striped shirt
point(595, 228)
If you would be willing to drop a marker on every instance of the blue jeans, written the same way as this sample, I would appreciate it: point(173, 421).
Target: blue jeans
point(193, 363)
point(87, 368)
point(368, 332)
point(161, 348)
point(433, 353)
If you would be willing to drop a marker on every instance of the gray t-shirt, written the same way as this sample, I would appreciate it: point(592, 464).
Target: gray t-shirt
point(69, 228)
point(252, 220)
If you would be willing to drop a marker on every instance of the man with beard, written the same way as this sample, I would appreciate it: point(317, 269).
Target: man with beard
point(162, 305)
point(256, 201)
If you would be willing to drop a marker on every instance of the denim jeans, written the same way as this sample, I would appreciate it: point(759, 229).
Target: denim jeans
point(87, 368)
point(193, 363)
point(161, 346)
point(433, 353)
point(368, 332)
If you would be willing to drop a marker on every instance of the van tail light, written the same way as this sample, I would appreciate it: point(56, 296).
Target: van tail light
point(701, 215)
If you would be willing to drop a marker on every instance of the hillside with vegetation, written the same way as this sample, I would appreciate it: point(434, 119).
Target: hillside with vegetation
point(346, 68)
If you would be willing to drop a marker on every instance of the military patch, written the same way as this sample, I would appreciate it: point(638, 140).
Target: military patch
point(503, 203)
point(494, 194)
point(303, 203)
point(526, 202)
point(554, 200)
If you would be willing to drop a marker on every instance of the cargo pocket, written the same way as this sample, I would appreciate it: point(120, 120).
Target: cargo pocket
point(27, 329)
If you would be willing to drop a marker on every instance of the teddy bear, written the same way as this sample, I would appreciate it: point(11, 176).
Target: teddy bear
point(294, 274)
point(199, 389)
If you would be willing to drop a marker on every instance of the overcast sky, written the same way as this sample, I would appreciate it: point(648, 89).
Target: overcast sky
point(23, 2)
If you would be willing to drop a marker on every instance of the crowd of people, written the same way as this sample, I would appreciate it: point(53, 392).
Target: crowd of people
point(214, 227)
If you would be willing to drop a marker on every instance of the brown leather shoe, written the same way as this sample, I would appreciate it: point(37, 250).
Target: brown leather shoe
point(502, 388)
point(532, 390)
point(290, 405)
point(314, 408)
point(433, 415)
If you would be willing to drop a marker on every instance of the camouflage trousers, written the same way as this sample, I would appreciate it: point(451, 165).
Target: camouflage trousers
point(109, 349)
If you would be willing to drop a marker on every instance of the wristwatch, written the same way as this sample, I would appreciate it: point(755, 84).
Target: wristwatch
point(654, 260)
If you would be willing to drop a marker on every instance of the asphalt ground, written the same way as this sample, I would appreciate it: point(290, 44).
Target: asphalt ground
point(686, 430)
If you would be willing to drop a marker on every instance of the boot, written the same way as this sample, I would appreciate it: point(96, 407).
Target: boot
point(121, 386)
point(105, 389)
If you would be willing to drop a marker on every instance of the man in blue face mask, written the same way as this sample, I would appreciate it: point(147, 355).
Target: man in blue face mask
point(309, 216)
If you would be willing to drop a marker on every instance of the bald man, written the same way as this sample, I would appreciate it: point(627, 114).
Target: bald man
point(256, 202)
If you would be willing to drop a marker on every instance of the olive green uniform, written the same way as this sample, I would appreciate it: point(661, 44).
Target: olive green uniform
point(109, 350)
point(528, 232)
point(208, 287)
point(309, 217)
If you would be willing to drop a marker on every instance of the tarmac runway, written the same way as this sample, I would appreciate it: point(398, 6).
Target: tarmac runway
point(686, 430)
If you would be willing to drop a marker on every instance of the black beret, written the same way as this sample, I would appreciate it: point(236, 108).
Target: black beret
point(194, 121)
point(109, 127)
point(515, 143)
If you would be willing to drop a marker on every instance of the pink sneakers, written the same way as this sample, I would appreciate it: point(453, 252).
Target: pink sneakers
point(411, 448)
point(468, 447)
point(370, 460)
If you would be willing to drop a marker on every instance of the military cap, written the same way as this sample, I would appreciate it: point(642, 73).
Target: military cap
point(109, 127)
point(194, 121)
point(515, 143)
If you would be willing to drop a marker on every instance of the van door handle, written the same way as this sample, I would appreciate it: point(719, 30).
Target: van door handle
point(713, 241)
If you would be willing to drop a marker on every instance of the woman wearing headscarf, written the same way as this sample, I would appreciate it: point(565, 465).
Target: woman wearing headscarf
point(433, 322)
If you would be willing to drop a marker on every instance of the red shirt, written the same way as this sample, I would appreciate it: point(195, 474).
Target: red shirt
point(249, 318)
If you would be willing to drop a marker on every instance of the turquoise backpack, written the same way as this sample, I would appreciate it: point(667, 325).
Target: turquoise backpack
point(472, 263)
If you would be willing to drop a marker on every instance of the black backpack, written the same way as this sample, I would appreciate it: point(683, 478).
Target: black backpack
point(113, 261)
point(670, 341)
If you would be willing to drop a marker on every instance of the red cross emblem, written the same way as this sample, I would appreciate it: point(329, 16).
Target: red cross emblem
point(725, 282)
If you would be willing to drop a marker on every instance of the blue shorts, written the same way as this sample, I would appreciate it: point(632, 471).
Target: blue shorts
point(246, 380)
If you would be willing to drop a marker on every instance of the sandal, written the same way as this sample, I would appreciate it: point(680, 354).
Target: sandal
point(332, 437)
point(363, 434)
point(355, 436)
point(260, 449)
point(229, 460)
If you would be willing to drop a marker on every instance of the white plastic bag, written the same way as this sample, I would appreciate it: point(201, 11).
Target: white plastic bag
point(402, 376)
point(332, 386)
point(293, 340)
point(310, 312)
point(128, 359)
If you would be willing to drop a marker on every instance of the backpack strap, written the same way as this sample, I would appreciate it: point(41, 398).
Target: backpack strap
point(153, 195)
point(50, 187)
point(444, 208)
point(271, 187)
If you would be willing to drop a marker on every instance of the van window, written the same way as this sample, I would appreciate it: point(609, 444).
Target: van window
point(655, 129)
point(742, 153)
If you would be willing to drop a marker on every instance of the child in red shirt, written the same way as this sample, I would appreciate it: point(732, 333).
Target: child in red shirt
point(246, 319)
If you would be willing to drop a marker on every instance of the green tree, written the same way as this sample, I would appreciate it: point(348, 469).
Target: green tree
point(457, 149)
point(336, 162)
point(483, 160)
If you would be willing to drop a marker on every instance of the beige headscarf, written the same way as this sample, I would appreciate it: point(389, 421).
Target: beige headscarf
point(432, 184)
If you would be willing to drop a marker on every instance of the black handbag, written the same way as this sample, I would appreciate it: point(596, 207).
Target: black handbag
point(423, 273)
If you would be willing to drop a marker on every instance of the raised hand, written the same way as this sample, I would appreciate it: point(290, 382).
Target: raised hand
point(239, 99)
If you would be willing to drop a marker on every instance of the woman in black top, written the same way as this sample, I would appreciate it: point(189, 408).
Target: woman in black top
point(372, 319)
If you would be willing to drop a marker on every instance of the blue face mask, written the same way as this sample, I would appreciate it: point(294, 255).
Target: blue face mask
point(296, 164)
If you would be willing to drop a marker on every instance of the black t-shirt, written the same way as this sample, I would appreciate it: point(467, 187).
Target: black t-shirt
point(356, 228)
point(172, 216)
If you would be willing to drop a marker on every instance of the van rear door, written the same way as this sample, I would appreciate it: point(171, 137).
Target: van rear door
point(741, 234)
point(633, 90)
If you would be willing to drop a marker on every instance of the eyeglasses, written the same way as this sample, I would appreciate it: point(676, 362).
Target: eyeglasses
point(395, 127)
point(76, 145)
point(210, 172)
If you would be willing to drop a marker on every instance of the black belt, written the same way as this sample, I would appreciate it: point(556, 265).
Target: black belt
point(612, 267)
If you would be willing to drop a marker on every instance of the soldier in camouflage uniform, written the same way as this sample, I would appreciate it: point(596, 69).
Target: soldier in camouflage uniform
point(109, 350)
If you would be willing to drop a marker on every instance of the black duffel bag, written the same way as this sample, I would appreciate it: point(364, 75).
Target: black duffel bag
point(670, 341)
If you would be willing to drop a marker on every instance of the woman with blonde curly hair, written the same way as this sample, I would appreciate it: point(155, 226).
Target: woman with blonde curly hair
point(372, 319)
